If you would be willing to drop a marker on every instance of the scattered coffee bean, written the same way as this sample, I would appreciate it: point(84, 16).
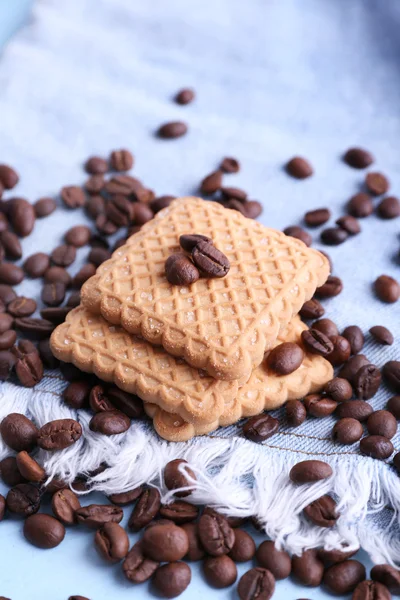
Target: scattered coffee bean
point(377, 183)
point(387, 289)
point(55, 315)
point(95, 516)
point(298, 233)
point(285, 358)
point(64, 503)
point(23, 499)
point(185, 96)
point(11, 245)
point(383, 423)
point(59, 434)
point(244, 547)
point(63, 255)
point(391, 374)
point(319, 406)
point(189, 241)
point(125, 498)
point(349, 224)
point(21, 215)
point(30, 468)
point(44, 531)
point(316, 342)
point(332, 287)
point(74, 300)
point(256, 584)
point(6, 322)
point(211, 184)
point(22, 307)
point(344, 577)
point(99, 401)
point(219, 571)
point(96, 165)
point(136, 567)
point(10, 274)
point(367, 381)
point(53, 294)
point(94, 186)
point(382, 335)
point(230, 165)
point(172, 130)
point(95, 206)
point(341, 351)
point(352, 366)
point(36, 265)
point(261, 427)
point(393, 406)
point(335, 556)
point(389, 208)
point(7, 363)
point(233, 193)
point(327, 327)
point(19, 432)
point(129, 404)
point(179, 512)
point(322, 512)
point(195, 551)
point(360, 206)
point(358, 158)
point(161, 202)
point(368, 590)
point(145, 510)
point(7, 339)
point(317, 217)
point(278, 562)
point(175, 477)
point(36, 328)
point(110, 422)
point(180, 270)
point(7, 294)
point(299, 168)
point(355, 337)
point(339, 389)
point(388, 576)
point(354, 409)
point(376, 446)
point(98, 255)
point(309, 471)
point(44, 207)
point(8, 177)
point(73, 196)
point(112, 542)
point(312, 309)
point(10, 474)
point(78, 236)
point(210, 261)
point(216, 535)
point(121, 160)
point(295, 413)
point(347, 431)
point(165, 543)
point(333, 236)
point(57, 275)
point(29, 369)
point(172, 579)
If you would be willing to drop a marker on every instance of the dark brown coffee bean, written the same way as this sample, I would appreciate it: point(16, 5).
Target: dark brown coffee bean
point(95, 516)
point(358, 158)
point(55, 315)
point(11, 245)
point(347, 431)
point(175, 477)
point(64, 503)
point(377, 183)
point(7, 294)
point(312, 309)
point(185, 96)
point(123, 184)
point(339, 389)
point(179, 512)
point(7, 362)
point(112, 542)
point(349, 224)
point(389, 208)
point(21, 215)
point(145, 510)
point(172, 130)
point(96, 165)
point(370, 590)
point(59, 434)
point(319, 406)
point(19, 432)
point(9, 472)
point(172, 579)
point(212, 183)
point(360, 206)
point(327, 327)
point(309, 471)
point(29, 369)
point(142, 213)
point(376, 446)
point(308, 568)
point(36, 328)
point(333, 236)
point(78, 236)
point(299, 168)
point(7, 339)
point(367, 381)
point(298, 233)
point(388, 576)
point(316, 342)
point(230, 165)
point(276, 561)
point(129, 404)
point(355, 337)
point(99, 401)
point(210, 261)
point(189, 241)
point(57, 275)
point(136, 567)
point(322, 512)
point(44, 207)
point(10, 274)
point(393, 406)
point(94, 186)
point(341, 351)
point(24, 347)
point(332, 287)
point(165, 543)
point(120, 211)
point(8, 177)
point(98, 255)
point(125, 498)
point(354, 409)
point(285, 358)
point(180, 270)
point(344, 577)
point(23, 499)
point(74, 299)
point(244, 547)
point(256, 584)
point(234, 193)
point(382, 422)
point(6, 322)
point(110, 422)
point(260, 427)
point(335, 556)
point(29, 468)
point(387, 289)
point(219, 571)
point(22, 307)
point(352, 366)
point(161, 202)
point(295, 413)
point(195, 551)
point(73, 196)
point(95, 206)
point(252, 209)
point(391, 373)
point(121, 160)
point(216, 535)
point(382, 335)
point(44, 531)
point(36, 265)
point(63, 255)
point(317, 217)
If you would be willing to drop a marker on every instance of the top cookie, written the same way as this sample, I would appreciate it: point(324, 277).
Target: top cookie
point(221, 325)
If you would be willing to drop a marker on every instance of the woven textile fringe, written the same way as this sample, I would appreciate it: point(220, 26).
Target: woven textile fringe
point(234, 476)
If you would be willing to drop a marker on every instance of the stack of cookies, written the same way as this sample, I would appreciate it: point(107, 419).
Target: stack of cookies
point(197, 354)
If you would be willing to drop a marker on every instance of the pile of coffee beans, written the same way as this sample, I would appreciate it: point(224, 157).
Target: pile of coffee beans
point(203, 259)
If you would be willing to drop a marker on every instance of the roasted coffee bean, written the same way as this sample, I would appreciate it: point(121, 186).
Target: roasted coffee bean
point(21, 215)
point(358, 158)
point(175, 476)
point(7, 339)
point(112, 542)
point(172, 130)
point(352, 366)
point(55, 315)
point(261, 427)
point(19, 432)
point(230, 165)
point(73, 196)
point(172, 579)
point(59, 434)
point(391, 374)
point(388, 576)
point(354, 409)
point(316, 342)
point(355, 337)
point(382, 335)
point(36, 328)
point(189, 241)
point(57, 275)
point(331, 288)
point(179, 512)
point(98, 255)
point(234, 193)
point(64, 503)
point(7, 294)
point(161, 202)
point(236, 205)
point(347, 431)
point(29, 369)
point(319, 406)
point(244, 547)
point(393, 406)
point(125, 498)
point(333, 236)
point(370, 590)
point(165, 543)
point(121, 160)
point(6, 322)
point(129, 404)
point(219, 571)
point(2, 508)
point(25, 347)
point(29, 468)
point(74, 300)
point(216, 535)
point(382, 422)
point(341, 351)
point(36, 265)
point(185, 96)
point(110, 422)
point(298, 233)
point(295, 413)
point(335, 556)
point(23, 499)
point(95, 206)
point(299, 168)
point(210, 261)
point(312, 309)
point(142, 213)
point(252, 209)
point(389, 208)
point(367, 381)
point(308, 568)
point(344, 577)
point(44, 531)
point(94, 185)
point(95, 516)
point(120, 211)
point(136, 567)
point(212, 183)
point(7, 362)
point(44, 207)
point(195, 551)
point(309, 471)
point(360, 206)
point(145, 510)
point(96, 165)
point(11, 245)
point(377, 183)
point(123, 184)
point(78, 236)
point(8, 177)
point(317, 217)
point(98, 400)
point(376, 446)
point(278, 562)
point(10, 274)
point(349, 224)
point(256, 584)
point(10, 474)
point(180, 270)
point(327, 327)
point(22, 307)
point(387, 289)
point(322, 512)
point(285, 358)
point(339, 389)
point(63, 255)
